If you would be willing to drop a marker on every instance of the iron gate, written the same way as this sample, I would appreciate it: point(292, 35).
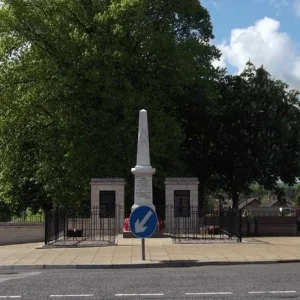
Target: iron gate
point(195, 224)
point(86, 227)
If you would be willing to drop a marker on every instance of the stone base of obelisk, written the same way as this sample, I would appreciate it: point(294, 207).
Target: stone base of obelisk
point(130, 235)
point(134, 206)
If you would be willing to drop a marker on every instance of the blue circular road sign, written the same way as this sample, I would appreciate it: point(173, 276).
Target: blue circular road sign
point(143, 221)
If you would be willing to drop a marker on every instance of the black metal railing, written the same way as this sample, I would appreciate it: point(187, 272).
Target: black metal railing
point(90, 226)
point(191, 223)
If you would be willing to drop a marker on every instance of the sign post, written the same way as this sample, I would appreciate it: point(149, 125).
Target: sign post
point(143, 223)
point(143, 250)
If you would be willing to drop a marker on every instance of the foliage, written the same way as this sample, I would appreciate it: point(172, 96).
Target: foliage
point(253, 135)
point(297, 198)
point(5, 213)
point(74, 75)
point(282, 191)
point(258, 191)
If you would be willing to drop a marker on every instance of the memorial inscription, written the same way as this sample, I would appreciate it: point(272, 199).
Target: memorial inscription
point(143, 188)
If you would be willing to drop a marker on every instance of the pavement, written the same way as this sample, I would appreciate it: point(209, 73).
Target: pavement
point(159, 253)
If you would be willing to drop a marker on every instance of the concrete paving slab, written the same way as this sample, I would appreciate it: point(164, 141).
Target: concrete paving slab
point(158, 252)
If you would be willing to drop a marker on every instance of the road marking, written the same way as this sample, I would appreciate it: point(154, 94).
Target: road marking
point(209, 293)
point(9, 297)
point(128, 295)
point(82, 295)
point(271, 292)
point(15, 275)
point(281, 292)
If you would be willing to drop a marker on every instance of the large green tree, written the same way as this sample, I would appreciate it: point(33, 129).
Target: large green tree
point(73, 76)
point(251, 134)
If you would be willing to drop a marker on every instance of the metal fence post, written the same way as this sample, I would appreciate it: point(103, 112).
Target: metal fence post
point(256, 227)
point(65, 226)
point(56, 222)
point(240, 234)
point(46, 228)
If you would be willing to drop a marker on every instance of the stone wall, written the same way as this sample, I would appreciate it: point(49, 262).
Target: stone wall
point(270, 226)
point(110, 184)
point(21, 233)
point(275, 230)
point(173, 184)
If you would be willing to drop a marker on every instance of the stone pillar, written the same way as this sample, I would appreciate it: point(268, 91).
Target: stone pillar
point(143, 171)
point(181, 202)
point(106, 188)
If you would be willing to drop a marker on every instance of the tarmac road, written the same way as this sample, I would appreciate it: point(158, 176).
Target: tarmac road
point(276, 281)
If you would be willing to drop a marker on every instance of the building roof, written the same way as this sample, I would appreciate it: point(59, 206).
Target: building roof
point(247, 202)
point(271, 203)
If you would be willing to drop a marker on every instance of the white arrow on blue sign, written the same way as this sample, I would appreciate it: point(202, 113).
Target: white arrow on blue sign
point(143, 221)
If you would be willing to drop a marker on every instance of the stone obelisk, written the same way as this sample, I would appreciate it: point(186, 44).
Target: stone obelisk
point(143, 171)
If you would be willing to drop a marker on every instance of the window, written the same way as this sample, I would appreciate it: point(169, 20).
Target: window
point(182, 203)
point(107, 204)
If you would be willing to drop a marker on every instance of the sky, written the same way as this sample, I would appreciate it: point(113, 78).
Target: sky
point(266, 32)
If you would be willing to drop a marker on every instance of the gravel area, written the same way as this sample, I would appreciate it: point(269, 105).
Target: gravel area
point(205, 241)
point(83, 242)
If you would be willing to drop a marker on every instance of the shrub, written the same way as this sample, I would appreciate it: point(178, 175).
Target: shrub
point(5, 215)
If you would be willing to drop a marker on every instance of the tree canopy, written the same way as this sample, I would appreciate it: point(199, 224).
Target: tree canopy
point(73, 76)
point(75, 73)
point(253, 135)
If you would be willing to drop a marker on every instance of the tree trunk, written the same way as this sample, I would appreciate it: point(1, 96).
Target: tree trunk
point(201, 199)
point(235, 197)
